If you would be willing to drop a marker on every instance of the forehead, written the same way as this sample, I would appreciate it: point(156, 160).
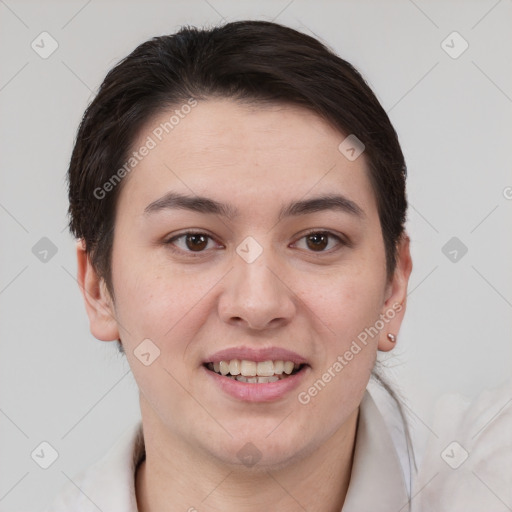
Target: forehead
point(248, 153)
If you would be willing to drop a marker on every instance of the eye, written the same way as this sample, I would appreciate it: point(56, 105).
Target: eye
point(190, 242)
point(196, 243)
point(318, 241)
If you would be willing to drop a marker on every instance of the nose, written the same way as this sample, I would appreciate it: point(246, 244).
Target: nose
point(257, 295)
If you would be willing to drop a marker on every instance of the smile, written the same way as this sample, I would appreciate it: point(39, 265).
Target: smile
point(253, 372)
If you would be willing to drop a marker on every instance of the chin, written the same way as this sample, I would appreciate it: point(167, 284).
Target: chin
point(251, 459)
point(260, 452)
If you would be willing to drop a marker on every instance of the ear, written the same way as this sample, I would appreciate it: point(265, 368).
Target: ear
point(98, 303)
point(396, 295)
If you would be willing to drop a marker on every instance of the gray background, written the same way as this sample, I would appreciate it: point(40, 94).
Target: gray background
point(453, 116)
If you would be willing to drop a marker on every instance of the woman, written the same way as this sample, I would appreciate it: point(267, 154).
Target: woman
point(239, 199)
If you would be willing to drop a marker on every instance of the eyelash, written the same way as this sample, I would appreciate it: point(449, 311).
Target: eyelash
point(198, 254)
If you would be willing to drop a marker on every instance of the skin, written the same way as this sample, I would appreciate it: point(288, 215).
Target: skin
point(293, 296)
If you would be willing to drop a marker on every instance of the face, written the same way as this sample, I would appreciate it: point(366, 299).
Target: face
point(282, 263)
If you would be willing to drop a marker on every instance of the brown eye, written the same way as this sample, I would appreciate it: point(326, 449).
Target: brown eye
point(317, 241)
point(196, 242)
point(190, 244)
point(321, 242)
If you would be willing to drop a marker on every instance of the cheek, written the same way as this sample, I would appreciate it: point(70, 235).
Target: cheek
point(348, 304)
point(165, 304)
point(149, 301)
point(163, 307)
point(346, 301)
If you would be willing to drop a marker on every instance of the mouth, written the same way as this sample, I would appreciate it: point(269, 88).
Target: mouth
point(249, 374)
point(255, 372)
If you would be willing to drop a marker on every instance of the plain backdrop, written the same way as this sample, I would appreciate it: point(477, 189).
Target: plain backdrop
point(451, 109)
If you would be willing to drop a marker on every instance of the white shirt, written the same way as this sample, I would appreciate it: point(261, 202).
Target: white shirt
point(380, 480)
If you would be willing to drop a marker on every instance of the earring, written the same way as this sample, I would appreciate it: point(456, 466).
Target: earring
point(392, 338)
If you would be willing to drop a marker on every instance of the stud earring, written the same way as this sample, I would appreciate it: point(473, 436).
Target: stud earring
point(392, 338)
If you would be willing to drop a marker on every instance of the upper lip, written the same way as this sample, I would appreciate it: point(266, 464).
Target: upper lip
point(255, 354)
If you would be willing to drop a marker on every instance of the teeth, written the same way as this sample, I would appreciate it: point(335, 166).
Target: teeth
point(248, 368)
point(264, 380)
point(265, 369)
point(234, 367)
point(224, 368)
point(288, 367)
point(254, 372)
point(278, 367)
point(257, 380)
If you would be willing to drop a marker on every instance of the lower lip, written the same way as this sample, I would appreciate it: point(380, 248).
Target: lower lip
point(265, 392)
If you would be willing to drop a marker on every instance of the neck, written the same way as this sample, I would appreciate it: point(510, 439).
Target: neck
point(177, 477)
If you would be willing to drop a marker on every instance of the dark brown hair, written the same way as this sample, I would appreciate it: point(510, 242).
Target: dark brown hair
point(254, 61)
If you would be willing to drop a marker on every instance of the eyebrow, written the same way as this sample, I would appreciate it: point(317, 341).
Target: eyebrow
point(201, 204)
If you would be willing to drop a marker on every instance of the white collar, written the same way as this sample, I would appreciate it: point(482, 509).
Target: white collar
point(377, 481)
point(380, 479)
